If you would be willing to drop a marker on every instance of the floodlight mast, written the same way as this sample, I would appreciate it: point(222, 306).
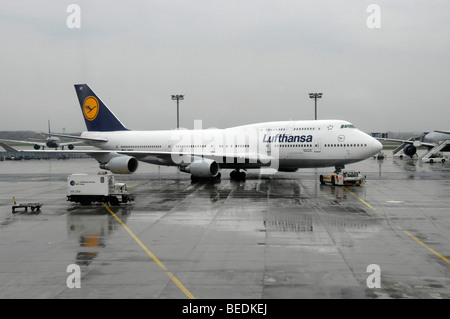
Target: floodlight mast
point(315, 96)
point(178, 98)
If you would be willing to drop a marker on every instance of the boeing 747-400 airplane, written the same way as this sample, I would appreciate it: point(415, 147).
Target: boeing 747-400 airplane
point(284, 145)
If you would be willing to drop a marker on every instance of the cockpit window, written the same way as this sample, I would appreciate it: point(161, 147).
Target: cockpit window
point(347, 126)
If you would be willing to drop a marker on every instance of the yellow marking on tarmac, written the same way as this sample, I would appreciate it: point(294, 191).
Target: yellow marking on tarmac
point(362, 200)
point(424, 245)
point(406, 232)
point(156, 260)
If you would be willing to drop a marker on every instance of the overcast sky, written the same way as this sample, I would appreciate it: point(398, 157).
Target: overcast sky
point(236, 61)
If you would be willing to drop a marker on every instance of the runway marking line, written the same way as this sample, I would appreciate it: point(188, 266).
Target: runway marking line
point(424, 245)
point(156, 260)
point(362, 200)
point(406, 232)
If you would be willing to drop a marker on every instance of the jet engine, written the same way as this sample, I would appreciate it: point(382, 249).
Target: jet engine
point(409, 150)
point(122, 164)
point(70, 146)
point(36, 146)
point(202, 168)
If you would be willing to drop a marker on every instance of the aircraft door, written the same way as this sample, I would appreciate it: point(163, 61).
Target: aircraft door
point(268, 149)
point(317, 147)
point(290, 128)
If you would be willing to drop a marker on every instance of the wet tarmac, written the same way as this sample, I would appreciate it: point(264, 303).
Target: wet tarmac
point(272, 236)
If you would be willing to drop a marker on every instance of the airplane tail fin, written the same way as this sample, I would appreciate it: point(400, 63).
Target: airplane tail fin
point(97, 115)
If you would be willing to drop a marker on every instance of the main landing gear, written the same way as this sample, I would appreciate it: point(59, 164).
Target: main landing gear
point(236, 175)
point(215, 179)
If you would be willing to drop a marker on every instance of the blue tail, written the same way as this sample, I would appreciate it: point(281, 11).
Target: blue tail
point(96, 114)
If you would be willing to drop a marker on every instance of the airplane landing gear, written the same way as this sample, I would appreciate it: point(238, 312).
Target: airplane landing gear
point(338, 168)
point(237, 176)
point(216, 179)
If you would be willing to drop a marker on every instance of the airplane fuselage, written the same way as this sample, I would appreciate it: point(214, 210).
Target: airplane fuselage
point(52, 142)
point(291, 144)
point(437, 138)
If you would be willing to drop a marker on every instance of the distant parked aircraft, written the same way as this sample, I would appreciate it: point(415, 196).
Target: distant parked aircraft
point(428, 140)
point(50, 142)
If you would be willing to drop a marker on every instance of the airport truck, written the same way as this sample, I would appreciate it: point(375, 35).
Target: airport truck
point(101, 187)
point(344, 177)
point(435, 158)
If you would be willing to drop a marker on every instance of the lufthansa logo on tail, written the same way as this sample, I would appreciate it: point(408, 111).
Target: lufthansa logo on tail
point(90, 108)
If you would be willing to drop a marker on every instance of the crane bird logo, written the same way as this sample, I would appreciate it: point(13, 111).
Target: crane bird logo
point(90, 108)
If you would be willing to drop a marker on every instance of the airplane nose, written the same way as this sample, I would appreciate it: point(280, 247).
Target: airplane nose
point(376, 146)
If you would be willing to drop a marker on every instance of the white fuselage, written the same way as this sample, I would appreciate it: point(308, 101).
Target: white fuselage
point(291, 144)
point(436, 137)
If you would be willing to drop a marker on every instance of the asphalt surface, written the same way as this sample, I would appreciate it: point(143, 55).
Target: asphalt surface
point(272, 236)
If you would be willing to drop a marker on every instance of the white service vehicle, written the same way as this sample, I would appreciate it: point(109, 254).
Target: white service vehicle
point(344, 177)
point(436, 158)
point(101, 187)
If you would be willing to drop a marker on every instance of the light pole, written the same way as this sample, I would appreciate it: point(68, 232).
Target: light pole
point(178, 98)
point(315, 96)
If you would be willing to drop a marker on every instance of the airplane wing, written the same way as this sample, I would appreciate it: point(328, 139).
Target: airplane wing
point(415, 143)
point(99, 139)
point(69, 143)
point(164, 158)
point(24, 142)
point(167, 157)
point(8, 148)
point(41, 144)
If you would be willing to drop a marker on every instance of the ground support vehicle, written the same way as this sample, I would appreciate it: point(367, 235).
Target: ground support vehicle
point(344, 177)
point(101, 187)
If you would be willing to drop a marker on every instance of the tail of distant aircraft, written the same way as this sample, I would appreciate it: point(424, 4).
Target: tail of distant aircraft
point(96, 114)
